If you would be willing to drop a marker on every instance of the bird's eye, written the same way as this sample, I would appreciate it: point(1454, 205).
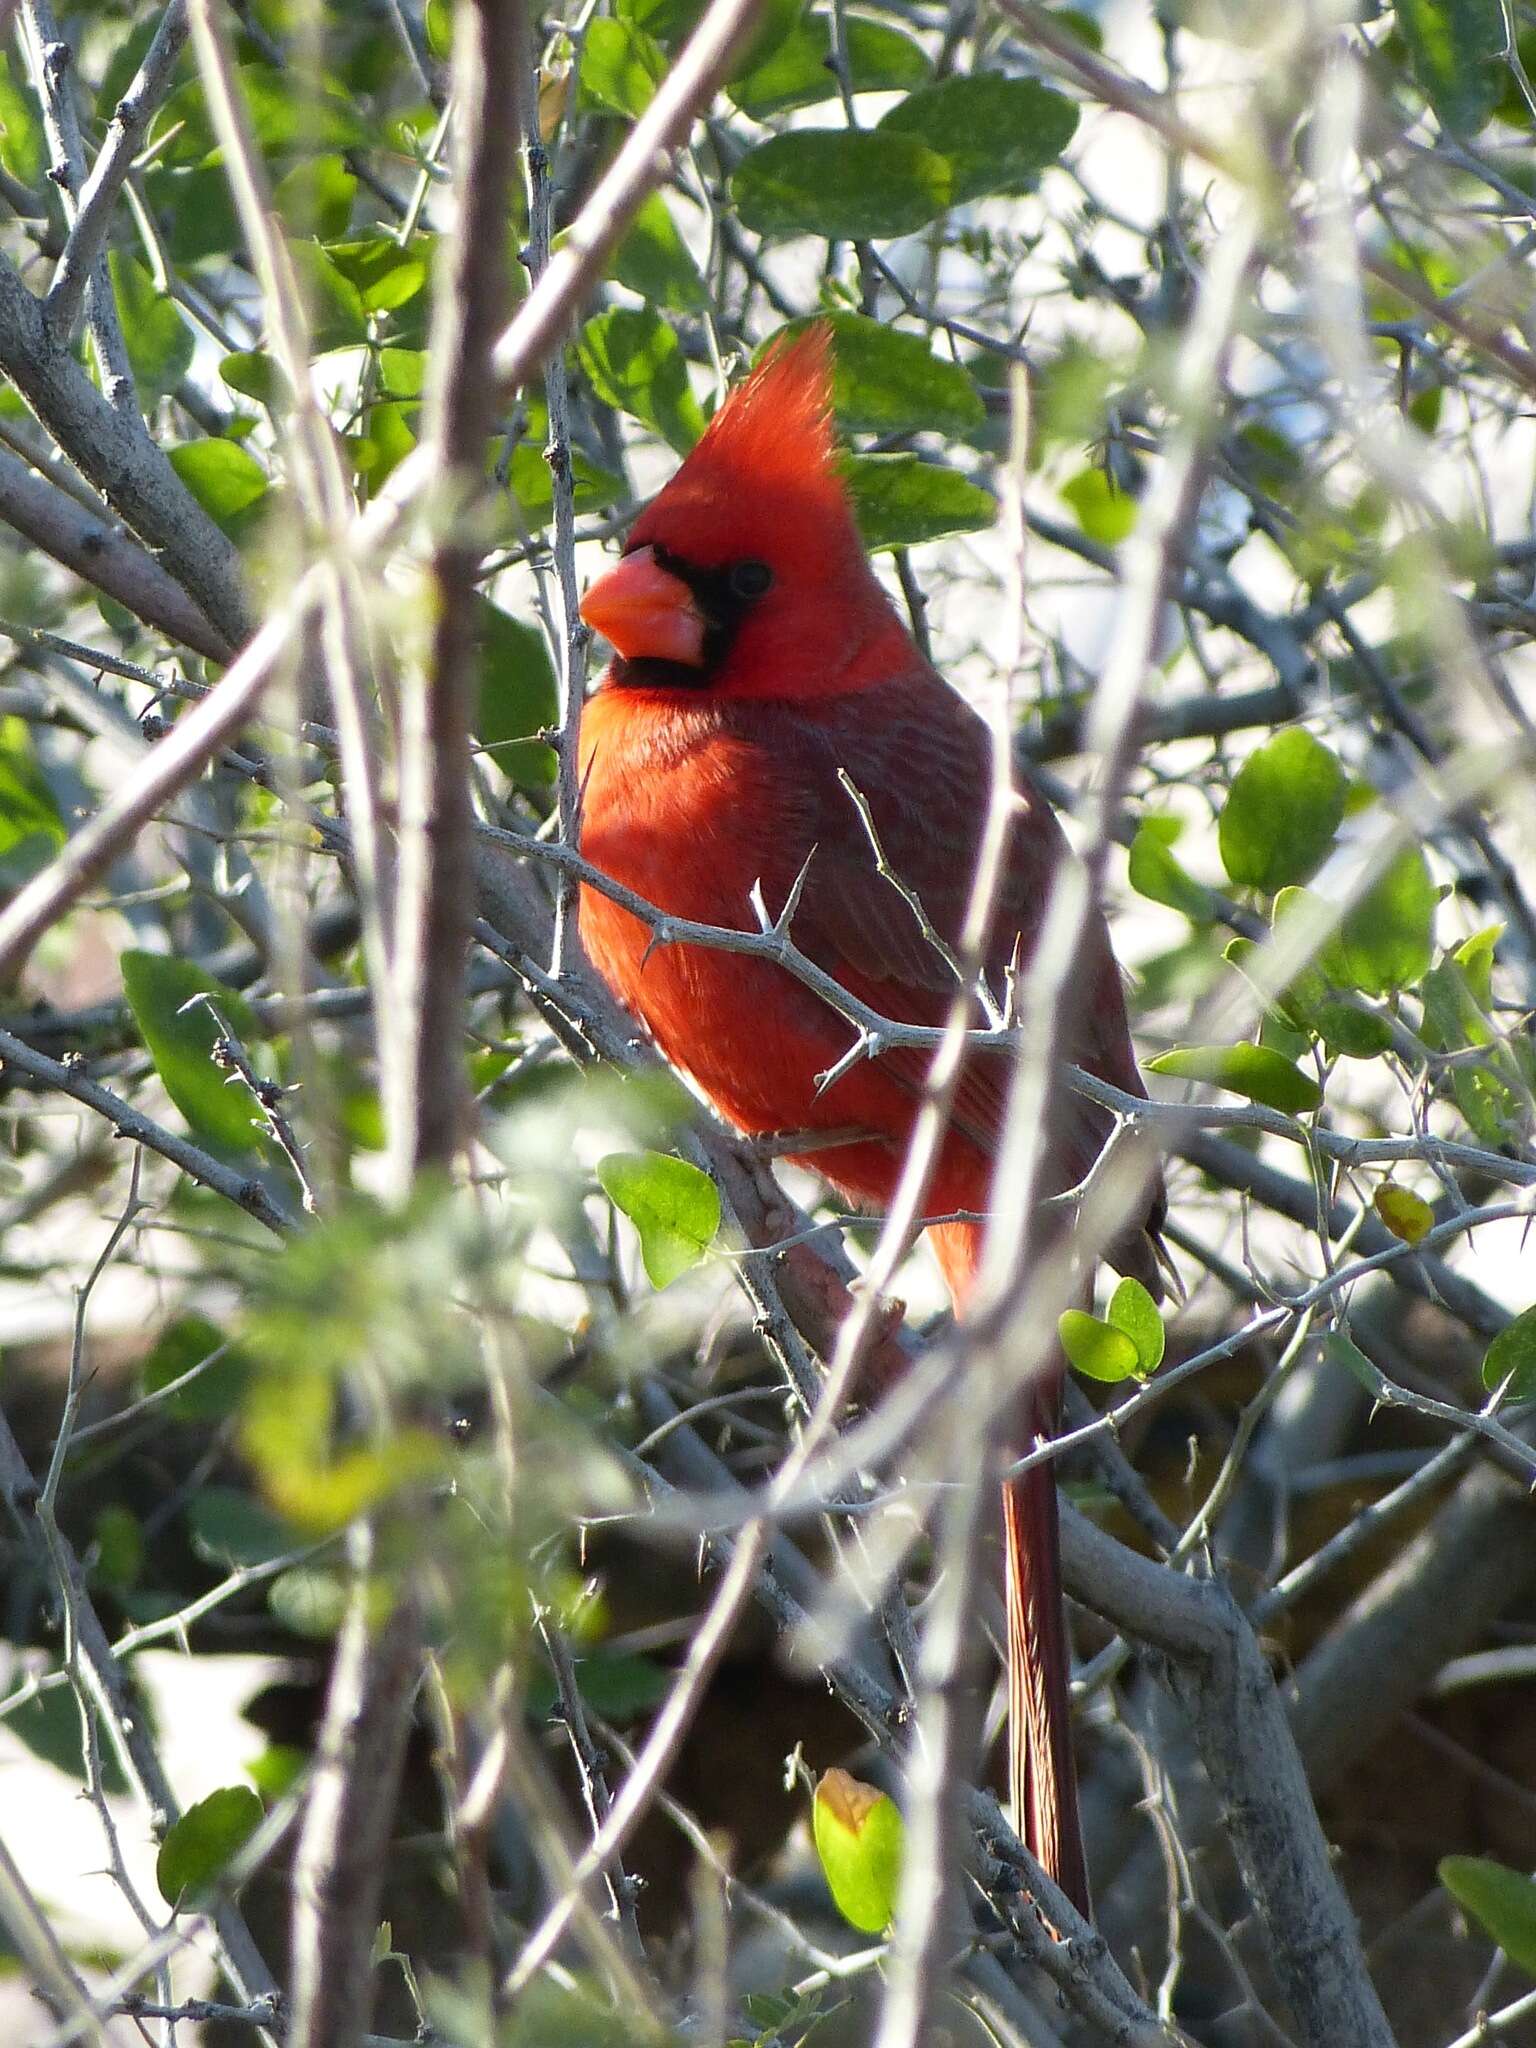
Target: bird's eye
point(751, 579)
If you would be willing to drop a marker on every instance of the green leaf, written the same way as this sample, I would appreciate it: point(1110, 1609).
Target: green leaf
point(633, 361)
point(841, 184)
point(653, 260)
point(998, 134)
point(181, 1348)
point(1282, 811)
point(254, 374)
point(225, 478)
point(402, 372)
point(384, 446)
point(49, 1724)
point(1455, 47)
point(529, 481)
point(204, 1842)
point(1156, 874)
point(181, 1040)
point(159, 341)
point(23, 145)
point(333, 302)
point(384, 275)
point(309, 1600)
point(1386, 941)
point(1512, 1356)
point(230, 1528)
point(621, 67)
point(885, 381)
point(671, 21)
point(859, 1835)
point(1339, 1348)
point(673, 1205)
point(799, 73)
point(1104, 512)
point(118, 1536)
point(517, 695)
point(1501, 1900)
point(284, 121)
point(1132, 1309)
point(27, 808)
point(618, 1686)
point(316, 197)
point(1096, 1349)
point(1407, 1215)
point(1357, 1034)
point(901, 501)
point(1245, 1069)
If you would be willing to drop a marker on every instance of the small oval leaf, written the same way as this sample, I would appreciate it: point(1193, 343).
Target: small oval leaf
point(1256, 1071)
point(181, 1036)
point(841, 184)
point(1385, 942)
point(225, 478)
point(799, 73)
point(859, 1837)
point(1155, 873)
point(1512, 1356)
point(1285, 804)
point(1454, 47)
point(1407, 1215)
point(998, 134)
point(885, 381)
point(901, 501)
point(1132, 1309)
point(204, 1841)
point(1095, 1349)
point(1341, 1349)
point(634, 362)
point(673, 1205)
point(1501, 1900)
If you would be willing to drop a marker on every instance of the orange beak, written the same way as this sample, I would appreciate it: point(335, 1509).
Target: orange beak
point(645, 612)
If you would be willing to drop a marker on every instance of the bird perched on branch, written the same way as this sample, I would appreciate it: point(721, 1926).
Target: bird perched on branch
point(760, 669)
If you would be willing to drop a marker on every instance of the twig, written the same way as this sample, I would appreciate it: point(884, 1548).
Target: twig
point(95, 547)
point(53, 63)
point(108, 1688)
point(59, 392)
point(98, 194)
point(573, 636)
point(69, 1077)
point(425, 1103)
point(350, 1811)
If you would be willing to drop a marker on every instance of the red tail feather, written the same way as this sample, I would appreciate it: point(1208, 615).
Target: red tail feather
point(1042, 1778)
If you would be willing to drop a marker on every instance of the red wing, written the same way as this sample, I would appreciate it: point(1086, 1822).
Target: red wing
point(923, 768)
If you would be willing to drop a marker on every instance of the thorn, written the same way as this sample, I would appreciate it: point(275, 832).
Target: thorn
point(792, 901)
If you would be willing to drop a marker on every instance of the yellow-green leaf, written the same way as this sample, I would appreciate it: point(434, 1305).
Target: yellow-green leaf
point(1256, 1071)
point(1097, 1350)
point(859, 1837)
point(1405, 1214)
point(1132, 1309)
point(673, 1205)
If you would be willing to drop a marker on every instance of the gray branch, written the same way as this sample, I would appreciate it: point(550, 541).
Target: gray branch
point(1218, 1672)
point(98, 195)
point(94, 546)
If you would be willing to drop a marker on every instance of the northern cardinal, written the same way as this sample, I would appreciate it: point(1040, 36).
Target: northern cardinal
point(756, 655)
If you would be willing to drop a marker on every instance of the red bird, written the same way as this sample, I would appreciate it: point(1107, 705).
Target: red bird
point(756, 656)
